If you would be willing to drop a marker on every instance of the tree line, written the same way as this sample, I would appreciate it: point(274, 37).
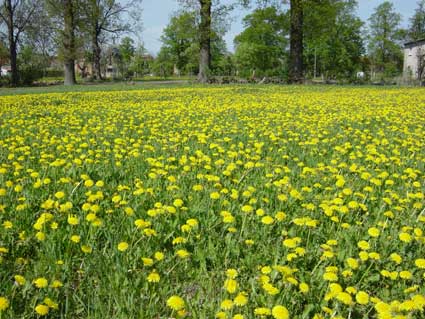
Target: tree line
point(291, 40)
point(66, 29)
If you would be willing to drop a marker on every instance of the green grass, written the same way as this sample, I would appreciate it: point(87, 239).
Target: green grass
point(121, 86)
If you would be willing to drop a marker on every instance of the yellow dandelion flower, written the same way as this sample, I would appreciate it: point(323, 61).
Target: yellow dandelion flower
point(420, 263)
point(49, 302)
point(176, 303)
point(405, 237)
point(330, 276)
point(262, 311)
point(267, 220)
point(42, 310)
point(405, 274)
point(75, 238)
point(241, 299)
point(60, 195)
point(231, 285)
point(247, 209)
point(373, 232)
point(159, 256)
point(280, 312)
point(40, 282)
point(20, 280)
point(215, 195)
point(226, 304)
point(56, 284)
point(147, 261)
point(122, 246)
point(352, 263)
point(304, 288)
point(153, 277)
point(362, 298)
point(364, 245)
point(86, 249)
point(345, 298)
point(182, 253)
point(73, 220)
point(4, 303)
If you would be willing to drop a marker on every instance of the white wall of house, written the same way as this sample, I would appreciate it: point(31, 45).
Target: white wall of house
point(411, 59)
point(5, 71)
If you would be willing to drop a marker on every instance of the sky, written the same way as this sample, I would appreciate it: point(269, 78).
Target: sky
point(156, 15)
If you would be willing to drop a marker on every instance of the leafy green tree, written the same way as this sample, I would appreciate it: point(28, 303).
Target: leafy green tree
point(333, 39)
point(417, 23)
point(142, 62)
point(17, 16)
point(210, 14)
point(127, 50)
point(262, 44)
point(385, 39)
point(296, 34)
point(31, 65)
point(163, 65)
point(180, 37)
point(181, 43)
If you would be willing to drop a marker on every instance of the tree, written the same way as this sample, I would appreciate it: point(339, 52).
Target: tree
point(39, 41)
point(66, 16)
point(325, 36)
point(181, 42)
point(69, 41)
point(385, 37)
point(296, 62)
point(141, 63)
point(417, 23)
point(205, 40)
point(163, 65)
point(207, 15)
point(127, 51)
point(3, 53)
point(333, 42)
point(262, 44)
point(17, 15)
point(107, 17)
point(179, 36)
point(296, 36)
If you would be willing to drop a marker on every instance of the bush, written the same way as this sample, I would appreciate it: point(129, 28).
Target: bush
point(31, 66)
point(4, 81)
point(54, 73)
point(28, 74)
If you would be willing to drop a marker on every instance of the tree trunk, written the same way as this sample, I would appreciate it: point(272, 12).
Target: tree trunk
point(69, 43)
point(97, 74)
point(69, 67)
point(13, 64)
point(296, 64)
point(205, 41)
point(12, 44)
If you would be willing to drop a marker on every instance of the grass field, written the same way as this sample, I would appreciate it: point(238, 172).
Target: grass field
point(94, 87)
point(213, 202)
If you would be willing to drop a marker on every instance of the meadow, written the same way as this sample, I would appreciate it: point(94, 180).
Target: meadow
point(213, 202)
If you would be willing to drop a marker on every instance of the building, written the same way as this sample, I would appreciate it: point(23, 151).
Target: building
point(414, 60)
point(6, 70)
